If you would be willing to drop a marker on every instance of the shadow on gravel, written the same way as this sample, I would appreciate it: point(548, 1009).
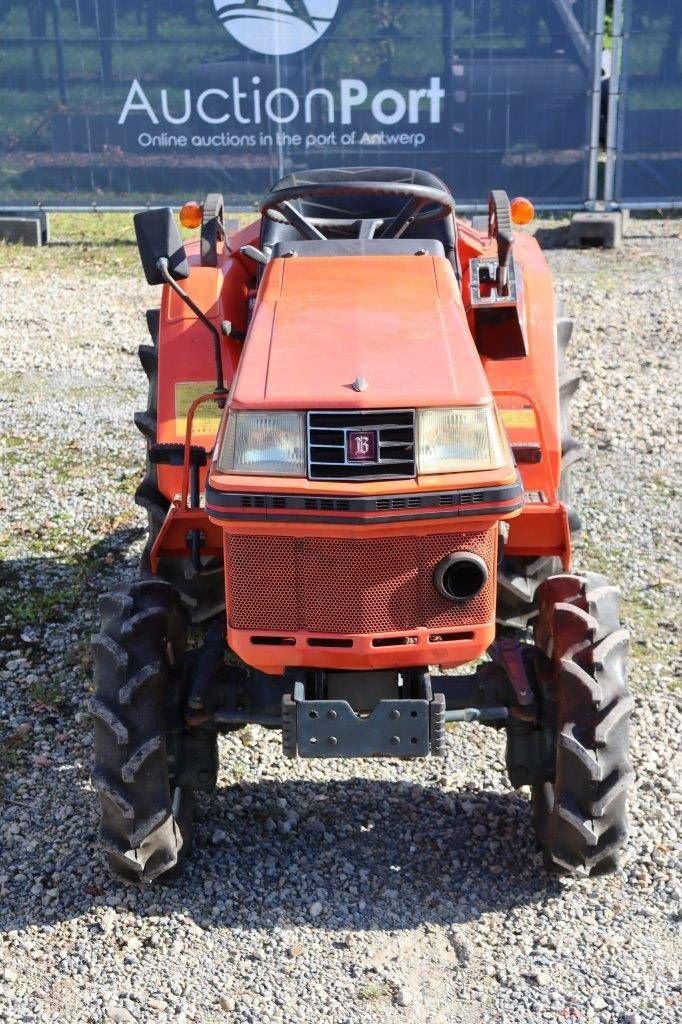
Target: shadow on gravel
point(363, 855)
point(315, 847)
point(39, 589)
point(376, 854)
point(552, 236)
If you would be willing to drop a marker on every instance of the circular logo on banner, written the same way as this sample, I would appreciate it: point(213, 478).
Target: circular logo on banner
point(276, 27)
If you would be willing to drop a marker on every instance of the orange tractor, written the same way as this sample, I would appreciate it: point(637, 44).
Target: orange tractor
point(358, 455)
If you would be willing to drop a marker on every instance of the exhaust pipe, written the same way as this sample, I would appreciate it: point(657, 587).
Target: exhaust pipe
point(460, 577)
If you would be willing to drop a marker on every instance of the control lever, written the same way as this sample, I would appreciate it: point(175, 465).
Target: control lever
point(500, 228)
point(504, 247)
point(257, 255)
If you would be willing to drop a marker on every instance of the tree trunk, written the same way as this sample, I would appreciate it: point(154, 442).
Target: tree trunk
point(34, 20)
point(152, 12)
point(106, 29)
point(59, 48)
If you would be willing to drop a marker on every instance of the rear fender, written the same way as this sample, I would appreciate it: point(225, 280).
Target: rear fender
point(186, 363)
point(526, 390)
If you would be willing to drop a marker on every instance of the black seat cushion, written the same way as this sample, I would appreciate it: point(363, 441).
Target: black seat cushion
point(379, 175)
point(360, 207)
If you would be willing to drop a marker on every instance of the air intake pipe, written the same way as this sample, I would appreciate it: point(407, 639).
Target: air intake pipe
point(461, 576)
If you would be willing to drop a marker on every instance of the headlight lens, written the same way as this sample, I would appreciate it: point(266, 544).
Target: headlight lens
point(456, 440)
point(266, 443)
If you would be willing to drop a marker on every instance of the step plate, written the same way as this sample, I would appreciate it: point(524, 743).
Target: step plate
point(395, 728)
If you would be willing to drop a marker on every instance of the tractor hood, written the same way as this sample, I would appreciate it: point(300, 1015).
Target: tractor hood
point(393, 324)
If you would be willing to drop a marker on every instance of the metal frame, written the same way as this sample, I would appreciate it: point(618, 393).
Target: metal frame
point(613, 115)
point(593, 162)
point(615, 124)
point(243, 208)
point(614, 137)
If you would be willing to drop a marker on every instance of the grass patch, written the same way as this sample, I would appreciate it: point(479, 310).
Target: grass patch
point(9, 759)
point(89, 243)
point(40, 607)
point(47, 694)
point(12, 746)
point(373, 991)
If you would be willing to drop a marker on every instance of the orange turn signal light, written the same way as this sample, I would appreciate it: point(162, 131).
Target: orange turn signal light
point(192, 215)
point(522, 210)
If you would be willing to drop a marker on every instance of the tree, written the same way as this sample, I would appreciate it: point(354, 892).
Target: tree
point(152, 19)
point(105, 15)
point(38, 28)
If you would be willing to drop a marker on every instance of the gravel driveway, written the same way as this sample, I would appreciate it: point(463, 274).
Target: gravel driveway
point(326, 893)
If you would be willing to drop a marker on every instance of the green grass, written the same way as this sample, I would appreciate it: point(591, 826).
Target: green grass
point(48, 694)
point(373, 991)
point(9, 759)
point(39, 606)
point(113, 230)
point(59, 466)
point(90, 243)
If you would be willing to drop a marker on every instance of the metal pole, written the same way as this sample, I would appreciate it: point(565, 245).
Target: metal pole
point(614, 108)
point(597, 48)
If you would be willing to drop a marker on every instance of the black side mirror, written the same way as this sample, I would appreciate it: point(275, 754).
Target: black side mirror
point(158, 238)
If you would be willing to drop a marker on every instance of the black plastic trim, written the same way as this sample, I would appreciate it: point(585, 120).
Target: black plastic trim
point(427, 505)
point(361, 520)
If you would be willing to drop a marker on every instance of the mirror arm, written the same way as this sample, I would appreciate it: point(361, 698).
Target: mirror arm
point(162, 264)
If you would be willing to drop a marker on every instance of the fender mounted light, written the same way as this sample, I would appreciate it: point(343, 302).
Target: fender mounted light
point(522, 211)
point(192, 215)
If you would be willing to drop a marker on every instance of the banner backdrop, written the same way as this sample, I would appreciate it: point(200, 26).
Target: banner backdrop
point(648, 138)
point(125, 101)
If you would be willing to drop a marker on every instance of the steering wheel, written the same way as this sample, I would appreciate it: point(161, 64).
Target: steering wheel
point(422, 205)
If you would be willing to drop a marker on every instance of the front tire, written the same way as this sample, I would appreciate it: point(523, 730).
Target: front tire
point(137, 709)
point(580, 815)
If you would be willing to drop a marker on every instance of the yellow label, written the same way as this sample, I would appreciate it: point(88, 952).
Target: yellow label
point(206, 418)
point(518, 417)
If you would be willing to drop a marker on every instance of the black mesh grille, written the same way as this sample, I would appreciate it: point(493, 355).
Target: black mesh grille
point(327, 445)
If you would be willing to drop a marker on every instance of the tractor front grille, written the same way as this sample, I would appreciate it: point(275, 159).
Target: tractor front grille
point(344, 585)
point(328, 434)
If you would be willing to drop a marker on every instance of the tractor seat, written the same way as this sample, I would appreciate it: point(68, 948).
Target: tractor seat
point(355, 208)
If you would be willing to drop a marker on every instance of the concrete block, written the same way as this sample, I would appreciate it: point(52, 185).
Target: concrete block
point(24, 229)
point(601, 228)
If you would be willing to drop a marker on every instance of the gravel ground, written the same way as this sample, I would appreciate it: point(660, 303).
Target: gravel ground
point(344, 892)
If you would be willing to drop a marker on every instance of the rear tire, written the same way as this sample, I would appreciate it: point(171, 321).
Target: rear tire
point(518, 578)
point(138, 714)
point(580, 816)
